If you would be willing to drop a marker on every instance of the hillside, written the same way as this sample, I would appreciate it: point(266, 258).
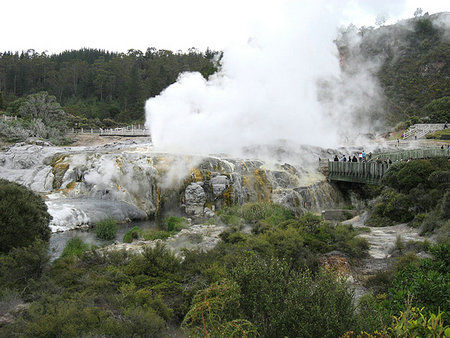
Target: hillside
point(410, 60)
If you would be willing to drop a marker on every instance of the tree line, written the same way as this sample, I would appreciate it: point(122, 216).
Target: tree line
point(98, 84)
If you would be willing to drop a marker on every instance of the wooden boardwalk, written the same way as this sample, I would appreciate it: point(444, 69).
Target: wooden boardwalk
point(371, 171)
point(357, 172)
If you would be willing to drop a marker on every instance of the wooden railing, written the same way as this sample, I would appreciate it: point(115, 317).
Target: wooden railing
point(372, 171)
point(361, 172)
point(411, 154)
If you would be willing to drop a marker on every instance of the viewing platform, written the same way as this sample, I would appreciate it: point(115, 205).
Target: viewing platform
point(372, 172)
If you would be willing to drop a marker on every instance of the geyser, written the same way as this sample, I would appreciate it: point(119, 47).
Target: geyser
point(267, 89)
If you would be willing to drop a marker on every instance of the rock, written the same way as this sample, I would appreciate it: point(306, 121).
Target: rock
point(219, 184)
point(207, 212)
point(195, 199)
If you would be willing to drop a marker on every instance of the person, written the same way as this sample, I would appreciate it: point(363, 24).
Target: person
point(354, 159)
point(363, 155)
point(344, 159)
point(445, 125)
point(360, 157)
point(389, 160)
point(336, 158)
point(442, 147)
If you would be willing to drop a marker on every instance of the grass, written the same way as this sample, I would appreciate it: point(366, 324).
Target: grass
point(437, 134)
point(74, 248)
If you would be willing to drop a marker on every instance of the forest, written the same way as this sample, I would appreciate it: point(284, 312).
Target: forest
point(98, 84)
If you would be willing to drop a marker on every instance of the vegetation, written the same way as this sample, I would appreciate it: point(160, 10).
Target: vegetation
point(74, 248)
point(412, 58)
point(106, 229)
point(441, 134)
point(414, 192)
point(411, 283)
point(23, 217)
point(95, 85)
point(132, 234)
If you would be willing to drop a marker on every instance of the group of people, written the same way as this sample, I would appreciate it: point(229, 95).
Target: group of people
point(359, 157)
point(362, 157)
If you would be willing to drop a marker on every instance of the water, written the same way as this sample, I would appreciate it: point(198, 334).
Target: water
point(59, 240)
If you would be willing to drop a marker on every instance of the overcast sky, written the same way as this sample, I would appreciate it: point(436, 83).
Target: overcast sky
point(57, 25)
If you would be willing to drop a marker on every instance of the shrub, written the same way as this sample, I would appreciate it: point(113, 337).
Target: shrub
point(106, 229)
point(431, 222)
point(211, 308)
point(406, 176)
point(156, 234)
point(427, 283)
point(74, 248)
point(22, 264)
point(132, 234)
point(23, 217)
point(173, 223)
point(280, 301)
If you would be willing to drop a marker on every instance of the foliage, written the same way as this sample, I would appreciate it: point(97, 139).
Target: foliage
point(173, 223)
point(132, 234)
point(22, 264)
point(428, 283)
point(438, 110)
point(415, 192)
point(280, 301)
point(23, 216)
point(211, 308)
point(40, 115)
point(106, 229)
point(156, 234)
point(413, 323)
point(74, 248)
point(97, 84)
point(260, 214)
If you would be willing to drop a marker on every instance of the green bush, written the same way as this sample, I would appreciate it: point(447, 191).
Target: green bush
point(280, 301)
point(408, 175)
point(74, 248)
point(132, 234)
point(426, 283)
point(173, 223)
point(106, 229)
point(22, 264)
point(23, 217)
point(156, 234)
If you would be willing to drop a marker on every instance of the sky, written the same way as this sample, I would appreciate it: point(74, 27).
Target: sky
point(57, 25)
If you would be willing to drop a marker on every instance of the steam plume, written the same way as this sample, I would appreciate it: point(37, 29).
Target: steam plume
point(266, 90)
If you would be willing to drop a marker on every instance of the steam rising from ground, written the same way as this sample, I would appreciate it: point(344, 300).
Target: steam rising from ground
point(284, 84)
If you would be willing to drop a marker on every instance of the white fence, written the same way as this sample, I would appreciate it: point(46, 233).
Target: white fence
point(125, 131)
point(8, 118)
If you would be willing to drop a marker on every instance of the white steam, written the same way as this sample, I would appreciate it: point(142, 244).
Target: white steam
point(267, 89)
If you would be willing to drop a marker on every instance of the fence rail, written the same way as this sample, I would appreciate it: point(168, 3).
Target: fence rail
point(413, 153)
point(356, 171)
point(8, 118)
point(372, 171)
point(125, 131)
